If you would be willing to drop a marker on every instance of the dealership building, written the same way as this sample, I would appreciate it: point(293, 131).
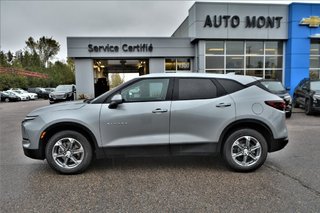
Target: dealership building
point(266, 40)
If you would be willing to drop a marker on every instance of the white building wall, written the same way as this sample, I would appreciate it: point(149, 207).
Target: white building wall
point(156, 65)
point(84, 77)
point(201, 59)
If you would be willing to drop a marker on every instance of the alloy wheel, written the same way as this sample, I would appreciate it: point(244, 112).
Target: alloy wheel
point(246, 151)
point(68, 153)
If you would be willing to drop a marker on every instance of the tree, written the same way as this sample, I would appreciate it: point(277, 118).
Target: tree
point(9, 56)
point(45, 47)
point(115, 80)
point(3, 59)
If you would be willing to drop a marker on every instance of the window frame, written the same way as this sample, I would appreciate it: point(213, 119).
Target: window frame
point(176, 65)
point(312, 69)
point(245, 70)
point(118, 91)
point(175, 94)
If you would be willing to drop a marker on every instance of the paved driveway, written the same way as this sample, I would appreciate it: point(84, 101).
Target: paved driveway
point(288, 182)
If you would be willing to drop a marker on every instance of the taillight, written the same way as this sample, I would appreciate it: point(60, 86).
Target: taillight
point(280, 105)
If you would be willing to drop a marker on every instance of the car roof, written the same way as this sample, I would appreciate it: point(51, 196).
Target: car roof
point(240, 78)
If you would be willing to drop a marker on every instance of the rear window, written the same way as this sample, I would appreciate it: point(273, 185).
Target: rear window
point(196, 88)
point(274, 86)
point(230, 86)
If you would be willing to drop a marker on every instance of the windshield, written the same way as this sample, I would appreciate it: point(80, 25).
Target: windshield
point(64, 88)
point(18, 91)
point(315, 85)
point(273, 85)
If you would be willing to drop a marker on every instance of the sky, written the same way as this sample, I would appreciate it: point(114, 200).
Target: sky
point(20, 19)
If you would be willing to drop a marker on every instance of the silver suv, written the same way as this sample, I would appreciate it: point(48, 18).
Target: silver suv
point(162, 114)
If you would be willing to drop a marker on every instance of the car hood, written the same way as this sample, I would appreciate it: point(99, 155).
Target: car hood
point(58, 107)
point(317, 92)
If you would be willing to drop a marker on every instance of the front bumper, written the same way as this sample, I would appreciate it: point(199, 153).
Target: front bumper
point(34, 153)
point(278, 144)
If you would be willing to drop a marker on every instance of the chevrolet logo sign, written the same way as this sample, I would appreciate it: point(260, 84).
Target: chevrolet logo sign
point(312, 21)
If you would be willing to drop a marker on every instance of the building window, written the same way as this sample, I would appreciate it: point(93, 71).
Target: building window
point(258, 58)
point(177, 64)
point(315, 59)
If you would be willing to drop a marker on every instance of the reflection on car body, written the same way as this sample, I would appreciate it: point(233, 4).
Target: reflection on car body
point(162, 114)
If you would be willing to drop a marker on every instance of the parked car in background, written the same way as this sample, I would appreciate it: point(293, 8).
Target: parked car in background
point(21, 95)
point(62, 93)
point(277, 88)
point(32, 96)
point(41, 92)
point(307, 95)
point(7, 97)
point(49, 89)
point(162, 114)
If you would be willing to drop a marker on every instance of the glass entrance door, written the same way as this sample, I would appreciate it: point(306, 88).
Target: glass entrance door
point(110, 73)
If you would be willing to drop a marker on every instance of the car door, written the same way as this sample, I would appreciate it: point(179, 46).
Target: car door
point(143, 117)
point(198, 114)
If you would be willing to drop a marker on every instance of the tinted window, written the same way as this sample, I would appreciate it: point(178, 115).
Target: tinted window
point(273, 85)
point(196, 89)
point(230, 86)
point(146, 90)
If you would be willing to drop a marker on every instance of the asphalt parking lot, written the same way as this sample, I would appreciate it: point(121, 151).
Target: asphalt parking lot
point(288, 182)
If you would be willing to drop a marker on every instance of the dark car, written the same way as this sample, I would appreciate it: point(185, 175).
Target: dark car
point(41, 92)
point(277, 88)
point(7, 96)
point(307, 95)
point(62, 93)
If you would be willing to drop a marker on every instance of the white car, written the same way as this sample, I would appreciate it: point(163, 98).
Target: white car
point(32, 96)
point(23, 96)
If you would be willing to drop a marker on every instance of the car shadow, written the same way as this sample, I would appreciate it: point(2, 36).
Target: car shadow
point(147, 163)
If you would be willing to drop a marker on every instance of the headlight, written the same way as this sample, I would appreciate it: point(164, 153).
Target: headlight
point(29, 118)
point(50, 95)
point(288, 98)
point(316, 97)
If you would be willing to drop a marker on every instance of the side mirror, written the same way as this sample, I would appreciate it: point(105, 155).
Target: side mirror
point(288, 88)
point(115, 101)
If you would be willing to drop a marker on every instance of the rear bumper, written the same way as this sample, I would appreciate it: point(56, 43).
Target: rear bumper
point(278, 144)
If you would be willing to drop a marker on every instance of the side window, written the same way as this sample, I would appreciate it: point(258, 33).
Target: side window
point(230, 86)
point(146, 90)
point(196, 88)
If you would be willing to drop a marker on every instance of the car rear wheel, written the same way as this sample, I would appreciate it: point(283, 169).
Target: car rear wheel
point(294, 102)
point(68, 152)
point(307, 107)
point(6, 99)
point(245, 150)
point(288, 114)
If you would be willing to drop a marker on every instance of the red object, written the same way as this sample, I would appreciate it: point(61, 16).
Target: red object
point(17, 71)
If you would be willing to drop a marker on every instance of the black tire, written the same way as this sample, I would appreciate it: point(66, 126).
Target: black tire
point(288, 114)
point(308, 107)
point(230, 147)
point(294, 102)
point(65, 153)
point(6, 100)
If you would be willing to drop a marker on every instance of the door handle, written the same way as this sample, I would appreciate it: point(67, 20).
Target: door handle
point(222, 105)
point(159, 110)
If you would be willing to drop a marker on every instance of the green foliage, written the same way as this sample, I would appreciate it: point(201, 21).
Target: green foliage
point(3, 59)
point(34, 58)
point(45, 47)
point(115, 80)
point(8, 81)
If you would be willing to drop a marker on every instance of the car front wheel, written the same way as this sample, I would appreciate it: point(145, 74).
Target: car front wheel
point(245, 150)
point(68, 152)
point(308, 107)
